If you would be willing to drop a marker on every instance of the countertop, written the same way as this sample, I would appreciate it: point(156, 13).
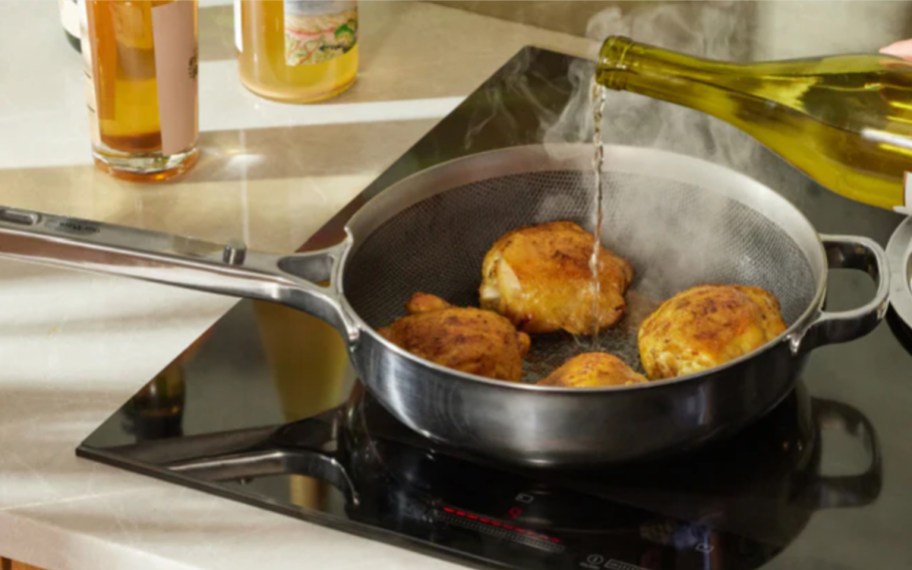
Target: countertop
point(76, 346)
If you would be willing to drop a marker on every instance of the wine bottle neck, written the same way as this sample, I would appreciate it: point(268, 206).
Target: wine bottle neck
point(624, 64)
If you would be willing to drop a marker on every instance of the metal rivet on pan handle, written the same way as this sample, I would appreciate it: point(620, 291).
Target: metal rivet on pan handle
point(234, 253)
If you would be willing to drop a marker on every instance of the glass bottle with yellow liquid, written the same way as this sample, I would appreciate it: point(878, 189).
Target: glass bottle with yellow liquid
point(845, 120)
point(297, 51)
point(141, 83)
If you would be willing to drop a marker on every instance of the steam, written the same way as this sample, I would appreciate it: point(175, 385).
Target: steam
point(710, 29)
point(675, 236)
point(494, 101)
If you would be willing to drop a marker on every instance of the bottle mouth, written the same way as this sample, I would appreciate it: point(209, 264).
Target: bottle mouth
point(613, 58)
point(613, 55)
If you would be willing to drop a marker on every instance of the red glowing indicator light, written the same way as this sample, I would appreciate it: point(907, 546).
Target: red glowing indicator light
point(500, 524)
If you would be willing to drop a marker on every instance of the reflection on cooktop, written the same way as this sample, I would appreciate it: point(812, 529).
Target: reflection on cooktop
point(355, 467)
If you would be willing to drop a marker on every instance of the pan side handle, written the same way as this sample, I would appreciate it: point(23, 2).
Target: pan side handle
point(849, 252)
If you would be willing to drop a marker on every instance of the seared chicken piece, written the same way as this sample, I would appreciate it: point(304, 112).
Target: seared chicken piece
point(706, 326)
point(539, 278)
point(463, 338)
point(593, 370)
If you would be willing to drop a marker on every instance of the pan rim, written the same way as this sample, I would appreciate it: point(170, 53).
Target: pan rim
point(367, 220)
point(899, 258)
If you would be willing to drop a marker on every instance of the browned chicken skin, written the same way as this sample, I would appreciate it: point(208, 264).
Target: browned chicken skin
point(463, 338)
point(593, 370)
point(539, 278)
point(706, 326)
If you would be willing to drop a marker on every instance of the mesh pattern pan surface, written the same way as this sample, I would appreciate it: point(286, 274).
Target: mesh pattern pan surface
point(675, 234)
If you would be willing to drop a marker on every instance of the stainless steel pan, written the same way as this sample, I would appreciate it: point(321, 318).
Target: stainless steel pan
point(899, 256)
point(680, 220)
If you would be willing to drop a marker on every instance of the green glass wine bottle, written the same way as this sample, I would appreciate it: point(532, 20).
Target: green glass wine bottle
point(845, 120)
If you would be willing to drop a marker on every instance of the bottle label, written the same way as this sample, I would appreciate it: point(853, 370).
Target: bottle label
point(317, 31)
point(174, 34)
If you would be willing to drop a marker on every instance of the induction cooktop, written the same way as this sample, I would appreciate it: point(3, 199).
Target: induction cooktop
point(264, 409)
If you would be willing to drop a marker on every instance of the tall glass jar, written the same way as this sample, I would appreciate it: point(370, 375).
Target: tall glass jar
point(141, 70)
point(298, 51)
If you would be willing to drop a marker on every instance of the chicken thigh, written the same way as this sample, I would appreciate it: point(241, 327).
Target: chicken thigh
point(706, 326)
point(539, 278)
point(593, 370)
point(462, 338)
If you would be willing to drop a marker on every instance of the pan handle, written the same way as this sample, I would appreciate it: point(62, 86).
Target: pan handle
point(849, 252)
point(226, 269)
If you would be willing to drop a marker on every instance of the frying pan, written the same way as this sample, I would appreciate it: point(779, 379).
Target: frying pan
point(681, 221)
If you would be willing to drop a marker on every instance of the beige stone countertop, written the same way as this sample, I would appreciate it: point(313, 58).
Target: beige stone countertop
point(75, 346)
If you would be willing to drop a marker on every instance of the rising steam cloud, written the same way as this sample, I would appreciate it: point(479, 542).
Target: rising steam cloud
point(675, 237)
point(709, 29)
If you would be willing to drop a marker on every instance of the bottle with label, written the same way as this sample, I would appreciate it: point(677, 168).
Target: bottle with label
point(141, 71)
point(845, 120)
point(297, 51)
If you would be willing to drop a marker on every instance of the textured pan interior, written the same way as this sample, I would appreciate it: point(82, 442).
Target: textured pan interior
point(675, 234)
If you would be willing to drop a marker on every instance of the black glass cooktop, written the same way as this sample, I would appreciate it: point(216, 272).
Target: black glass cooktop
point(264, 409)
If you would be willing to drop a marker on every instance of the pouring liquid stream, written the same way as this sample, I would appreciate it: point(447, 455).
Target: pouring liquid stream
point(551, 351)
point(598, 108)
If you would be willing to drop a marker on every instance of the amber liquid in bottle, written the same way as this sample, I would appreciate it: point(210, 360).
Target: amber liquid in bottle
point(128, 138)
point(845, 121)
point(265, 69)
